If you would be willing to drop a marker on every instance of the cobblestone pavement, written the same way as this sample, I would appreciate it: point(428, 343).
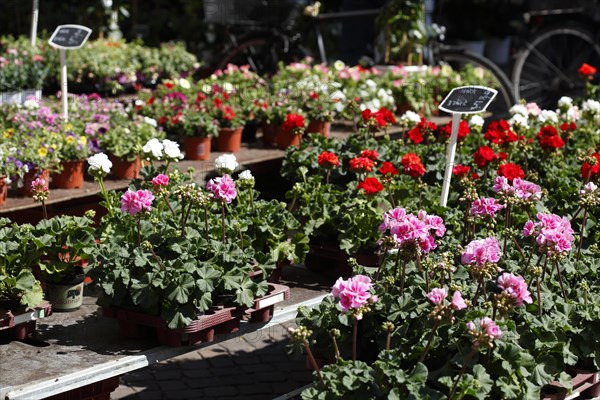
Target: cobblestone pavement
point(253, 366)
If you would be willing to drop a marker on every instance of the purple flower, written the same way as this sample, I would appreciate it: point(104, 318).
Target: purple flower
point(480, 252)
point(515, 287)
point(437, 295)
point(353, 293)
point(485, 207)
point(134, 202)
point(223, 188)
point(553, 234)
point(457, 302)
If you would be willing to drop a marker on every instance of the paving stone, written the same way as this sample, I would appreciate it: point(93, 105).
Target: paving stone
point(256, 368)
point(171, 385)
point(220, 391)
point(122, 392)
point(165, 375)
point(273, 376)
point(192, 372)
point(186, 394)
point(221, 362)
point(255, 389)
point(150, 395)
point(225, 371)
point(201, 383)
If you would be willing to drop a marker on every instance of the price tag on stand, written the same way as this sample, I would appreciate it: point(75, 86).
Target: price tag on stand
point(461, 100)
point(67, 37)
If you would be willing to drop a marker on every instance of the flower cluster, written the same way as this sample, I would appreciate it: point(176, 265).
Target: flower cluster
point(410, 232)
point(549, 138)
point(553, 234)
point(412, 165)
point(590, 195)
point(167, 150)
point(485, 207)
point(485, 155)
point(587, 71)
point(100, 165)
point(328, 160)
point(463, 130)
point(222, 188)
point(514, 288)
point(294, 123)
point(133, 202)
point(437, 296)
point(387, 169)
point(160, 182)
point(226, 163)
point(520, 189)
point(380, 118)
point(423, 129)
point(510, 171)
point(481, 252)
point(499, 133)
point(370, 185)
point(39, 188)
point(354, 294)
point(590, 169)
point(484, 332)
point(361, 164)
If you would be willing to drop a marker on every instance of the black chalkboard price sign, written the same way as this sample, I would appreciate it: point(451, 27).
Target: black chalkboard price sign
point(69, 37)
point(468, 99)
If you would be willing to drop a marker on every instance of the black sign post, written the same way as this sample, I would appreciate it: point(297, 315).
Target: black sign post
point(67, 37)
point(461, 100)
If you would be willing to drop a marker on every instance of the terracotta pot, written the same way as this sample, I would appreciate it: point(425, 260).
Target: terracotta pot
point(71, 177)
point(125, 169)
point(286, 139)
point(268, 134)
point(3, 191)
point(29, 177)
point(229, 140)
point(196, 148)
point(320, 127)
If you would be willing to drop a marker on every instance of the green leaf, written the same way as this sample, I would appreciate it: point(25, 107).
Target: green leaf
point(181, 288)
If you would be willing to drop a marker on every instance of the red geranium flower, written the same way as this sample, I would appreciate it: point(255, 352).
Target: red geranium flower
point(361, 164)
point(463, 130)
point(372, 154)
point(510, 171)
point(565, 127)
point(422, 129)
point(366, 114)
point(589, 171)
point(499, 133)
point(387, 168)
point(169, 85)
point(549, 139)
point(587, 71)
point(412, 165)
point(328, 160)
point(228, 113)
point(384, 116)
point(460, 171)
point(371, 186)
point(483, 156)
point(294, 123)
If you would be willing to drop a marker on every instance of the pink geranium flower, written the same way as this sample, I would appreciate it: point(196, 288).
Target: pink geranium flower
point(515, 287)
point(437, 295)
point(479, 252)
point(457, 303)
point(160, 180)
point(553, 234)
point(223, 188)
point(353, 293)
point(133, 202)
point(486, 326)
point(485, 207)
point(409, 230)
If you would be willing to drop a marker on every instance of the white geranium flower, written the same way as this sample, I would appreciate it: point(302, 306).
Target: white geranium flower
point(150, 121)
point(565, 102)
point(589, 187)
point(31, 104)
point(371, 83)
point(184, 83)
point(226, 163)
point(518, 109)
point(172, 150)
point(228, 87)
point(476, 122)
point(573, 114)
point(99, 164)
point(548, 116)
point(339, 65)
point(246, 175)
point(591, 106)
point(519, 120)
point(154, 147)
point(409, 119)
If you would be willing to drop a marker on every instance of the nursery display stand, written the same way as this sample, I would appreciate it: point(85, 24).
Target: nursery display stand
point(20, 325)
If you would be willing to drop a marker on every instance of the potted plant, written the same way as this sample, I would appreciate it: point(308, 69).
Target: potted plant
point(124, 140)
point(8, 168)
point(319, 109)
point(20, 251)
point(69, 245)
point(227, 112)
point(72, 149)
point(290, 131)
point(199, 127)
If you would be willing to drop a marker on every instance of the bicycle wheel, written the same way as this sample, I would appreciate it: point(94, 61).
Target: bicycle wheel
point(547, 68)
point(460, 59)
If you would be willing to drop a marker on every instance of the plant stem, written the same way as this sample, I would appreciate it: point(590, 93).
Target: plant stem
point(388, 341)
point(105, 195)
point(519, 248)
point(539, 295)
point(562, 288)
point(313, 362)
point(335, 348)
point(430, 340)
point(168, 204)
point(139, 229)
point(158, 260)
point(462, 371)
point(206, 220)
point(354, 338)
point(223, 222)
point(580, 236)
point(327, 176)
point(44, 209)
point(402, 278)
point(506, 226)
point(477, 291)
